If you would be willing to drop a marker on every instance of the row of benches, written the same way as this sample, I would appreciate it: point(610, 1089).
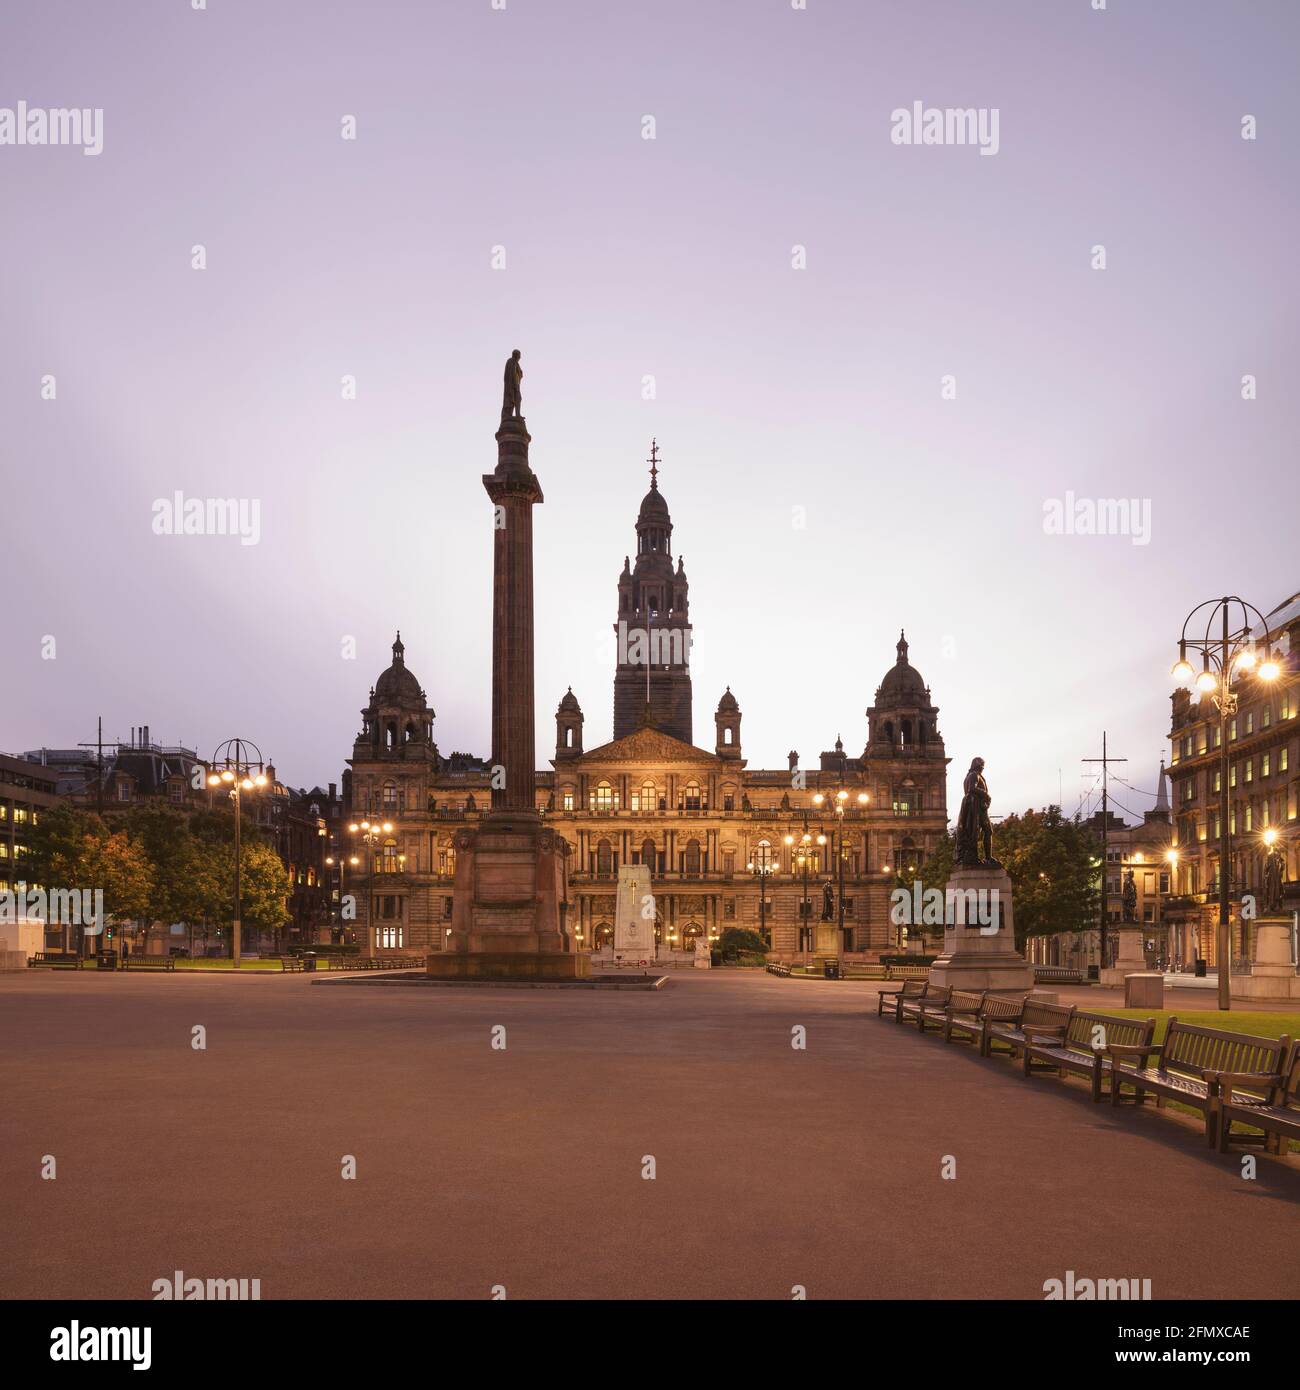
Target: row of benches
point(1231, 1078)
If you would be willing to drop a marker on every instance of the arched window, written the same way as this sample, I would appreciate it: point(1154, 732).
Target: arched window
point(691, 796)
point(764, 858)
point(726, 735)
point(412, 733)
point(390, 860)
point(604, 859)
point(390, 735)
point(602, 799)
point(649, 797)
point(691, 859)
point(649, 855)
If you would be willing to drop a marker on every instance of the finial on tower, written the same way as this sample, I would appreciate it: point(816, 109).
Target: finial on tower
point(653, 461)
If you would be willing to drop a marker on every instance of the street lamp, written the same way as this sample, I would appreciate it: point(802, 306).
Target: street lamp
point(840, 803)
point(765, 865)
point(371, 833)
point(1225, 655)
point(237, 764)
point(342, 861)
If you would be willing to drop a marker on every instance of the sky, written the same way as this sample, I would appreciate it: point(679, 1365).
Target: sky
point(864, 437)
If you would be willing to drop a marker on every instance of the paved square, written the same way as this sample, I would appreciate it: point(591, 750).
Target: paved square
point(477, 1167)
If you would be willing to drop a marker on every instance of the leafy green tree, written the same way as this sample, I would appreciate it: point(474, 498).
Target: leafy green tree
point(122, 869)
point(1053, 866)
point(741, 940)
point(932, 872)
point(56, 854)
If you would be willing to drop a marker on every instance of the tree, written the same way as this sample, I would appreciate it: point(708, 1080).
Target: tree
point(741, 940)
point(122, 869)
point(932, 873)
point(1052, 863)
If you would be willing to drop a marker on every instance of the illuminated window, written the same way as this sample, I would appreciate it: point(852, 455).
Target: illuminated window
point(602, 799)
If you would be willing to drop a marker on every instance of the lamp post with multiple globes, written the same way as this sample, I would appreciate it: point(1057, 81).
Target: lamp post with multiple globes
point(839, 804)
point(1227, 654)
point(237, 764)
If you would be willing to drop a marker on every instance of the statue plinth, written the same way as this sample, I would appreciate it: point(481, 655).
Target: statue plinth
point(1130, 958)
point(979, 940)
point(506, 921)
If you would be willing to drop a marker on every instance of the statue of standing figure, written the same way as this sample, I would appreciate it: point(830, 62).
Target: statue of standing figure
point(511, 399)
point(1274, 878)
point(828, 903)
point(1129, 897)
point(974, 848)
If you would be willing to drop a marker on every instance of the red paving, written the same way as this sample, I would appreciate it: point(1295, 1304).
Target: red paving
point(476, 1167)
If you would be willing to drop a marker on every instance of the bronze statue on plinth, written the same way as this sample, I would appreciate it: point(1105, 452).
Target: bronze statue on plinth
point(974, 848)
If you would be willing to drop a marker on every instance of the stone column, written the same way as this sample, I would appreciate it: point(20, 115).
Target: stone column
point(514, 491)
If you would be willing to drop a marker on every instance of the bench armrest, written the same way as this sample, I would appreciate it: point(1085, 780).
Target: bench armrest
point(1037, 1032)
point(972, 1011)
point(1259, 1081)
point(1130, 1049)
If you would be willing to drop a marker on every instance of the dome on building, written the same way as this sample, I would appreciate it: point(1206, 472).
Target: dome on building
point(728, 705)
point(653, 507)
point(569, 704)
point(903, 683)
point(397, 684)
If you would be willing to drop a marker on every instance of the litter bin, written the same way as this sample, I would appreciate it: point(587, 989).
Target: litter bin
point(832, 968)
point(1094, 972)
point(1200, 968)
point(309, 960)
point(108, 960)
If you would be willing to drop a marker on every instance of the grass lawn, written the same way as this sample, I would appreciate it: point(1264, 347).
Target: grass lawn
point(1237, 1021)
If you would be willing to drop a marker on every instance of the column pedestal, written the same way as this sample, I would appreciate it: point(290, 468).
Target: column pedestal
point(505, 924)
point(979, 940)
point(1272, 974)
point(1130, 960)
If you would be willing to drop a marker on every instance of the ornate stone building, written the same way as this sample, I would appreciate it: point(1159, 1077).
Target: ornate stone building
point(1263, 793)
point(725, 842)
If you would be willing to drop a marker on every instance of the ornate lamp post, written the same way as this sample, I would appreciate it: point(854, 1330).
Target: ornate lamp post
point(1226, 655)
point(840, 802)
point(762, 868)
point(238, 765)
point(343, 860)
point(801, 855)
point(371, 833)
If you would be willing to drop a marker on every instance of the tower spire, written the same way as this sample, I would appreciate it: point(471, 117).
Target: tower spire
point(653, 461)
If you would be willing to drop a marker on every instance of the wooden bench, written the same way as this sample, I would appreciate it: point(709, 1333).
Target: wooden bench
point(1037, 1013)
point(1276, 1111)
point(934, 1014)
point(55, 960)
point(1057, 975)
point(927, 999)
point(149, 963)
point(910, 989)
point(907, 972)
point(995, 1008)
point(289, 964)
point(777, 967)
point(1184, 1061)
point(1084, 1046)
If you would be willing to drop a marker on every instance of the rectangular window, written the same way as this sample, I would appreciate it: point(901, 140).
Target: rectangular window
point(728, 803)
point(1250, 769)
point(1266, 717)
point(390, 937)
point(1232, 729)
point(729, 909)
point(729, 861)
point(1282, 758)
point(1264, 765)
point(1250, 721)
point(568, 801)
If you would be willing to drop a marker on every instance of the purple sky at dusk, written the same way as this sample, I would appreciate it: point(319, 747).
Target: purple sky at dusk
point(777, 388)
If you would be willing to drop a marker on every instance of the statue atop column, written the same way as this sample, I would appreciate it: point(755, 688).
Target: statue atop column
point(511, 395)
point(828, 903)
point(974, 848)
